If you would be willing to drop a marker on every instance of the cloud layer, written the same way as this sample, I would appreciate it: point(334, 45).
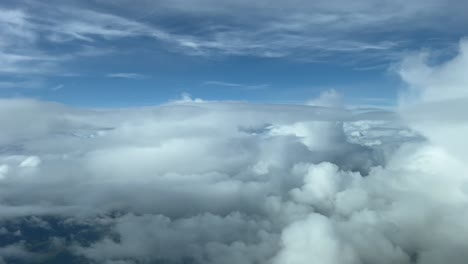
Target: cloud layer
point(216, 182)
point(304, 30)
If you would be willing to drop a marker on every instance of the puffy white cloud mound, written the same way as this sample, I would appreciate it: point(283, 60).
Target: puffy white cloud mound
point(438, 100)
point(314, 239)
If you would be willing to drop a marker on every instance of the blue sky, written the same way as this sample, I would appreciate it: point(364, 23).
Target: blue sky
point(129, 53)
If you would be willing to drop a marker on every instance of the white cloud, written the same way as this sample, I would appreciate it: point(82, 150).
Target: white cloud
point(127, 75)
point(237, 85)
point(329, 98)
point(436, 101)
point(148, 163)
point(21, 84)
point(30, 162)
point(314, 239)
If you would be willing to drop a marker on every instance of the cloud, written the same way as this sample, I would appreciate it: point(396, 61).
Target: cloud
point(24, 34)
point(329, 98)
point(28, 84)
point(436, 83)
point(58, 87)
point(310, 32)
point(127, 75)
point(437, 97)
point(232, 182)
point(314, 239)
point(237, 85)
point(139, 167)
point(16, 251)
point(306, 30)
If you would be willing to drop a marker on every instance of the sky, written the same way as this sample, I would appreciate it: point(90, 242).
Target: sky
point(234, 132)
point(134, 53)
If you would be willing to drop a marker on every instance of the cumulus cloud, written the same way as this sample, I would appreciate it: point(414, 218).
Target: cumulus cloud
point(195, 181)
point(314, 239)
point(437, 98)
point(167, 171)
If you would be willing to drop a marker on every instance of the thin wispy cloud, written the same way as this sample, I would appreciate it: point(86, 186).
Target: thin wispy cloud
point(58, 87)
point(127, 75)
point(20, 84)
point(311, 32)
point(236, 85)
